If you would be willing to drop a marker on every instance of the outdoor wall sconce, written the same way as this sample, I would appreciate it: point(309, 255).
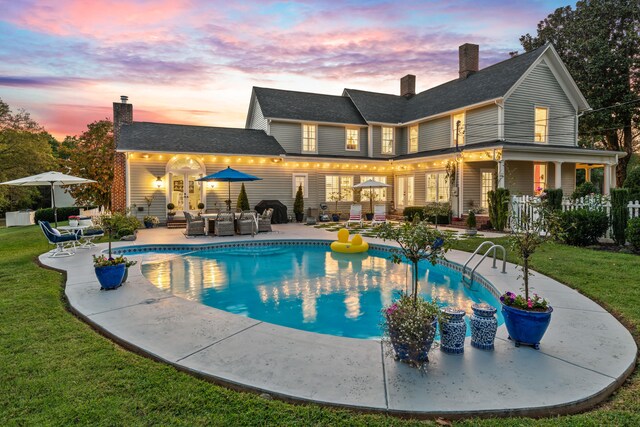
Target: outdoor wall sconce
point(211, 185)
point(158, 183)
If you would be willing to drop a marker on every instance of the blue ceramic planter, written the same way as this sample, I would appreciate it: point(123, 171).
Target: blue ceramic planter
point(526, 327)
point(453, 331)
point(402, 351)
point(110, 277)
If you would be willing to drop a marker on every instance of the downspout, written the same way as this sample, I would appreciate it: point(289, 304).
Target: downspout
point(575, 125)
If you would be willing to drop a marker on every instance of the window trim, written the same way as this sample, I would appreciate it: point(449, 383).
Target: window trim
point(302, 150)
point(493, 184)
point(409, 150)
point(535, 123)
point(326, 196)
point(546, 178)
point(346, 139)
point(453, 128)
point(378, 178)
point(393, 140)
point(426, 186)
point(305, 187)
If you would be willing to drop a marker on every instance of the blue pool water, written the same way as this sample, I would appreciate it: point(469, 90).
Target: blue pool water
point(306, 287)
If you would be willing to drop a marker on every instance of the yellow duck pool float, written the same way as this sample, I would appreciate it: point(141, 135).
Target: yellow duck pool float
point(346, 246)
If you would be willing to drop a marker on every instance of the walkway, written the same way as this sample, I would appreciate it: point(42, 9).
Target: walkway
point(585, 355)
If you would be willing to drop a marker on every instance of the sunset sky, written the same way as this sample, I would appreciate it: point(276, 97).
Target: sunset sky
point(190, 61)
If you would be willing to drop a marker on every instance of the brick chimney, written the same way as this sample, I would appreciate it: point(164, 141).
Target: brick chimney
point(469, 59)
point(122, 114)
point(408, 86)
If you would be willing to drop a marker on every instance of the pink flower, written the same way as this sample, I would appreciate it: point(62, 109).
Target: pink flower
point(392, 308)
point(529, 303)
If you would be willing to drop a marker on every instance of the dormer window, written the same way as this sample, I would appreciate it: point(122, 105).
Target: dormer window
point(309, 141)
point(457, 129)
point(353, 136)
point(413, 139)
point(541, 124)
point(387, 140)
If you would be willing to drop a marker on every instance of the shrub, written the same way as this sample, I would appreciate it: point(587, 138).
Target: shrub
point(437, 213)
point(124, 232)
point(171, 206)
point(583, 227)
point(46, 214)
point(499, 208)
point(124, 225)
point(633, 233)
point(633, 184)
point(298, 204)
point(471, 220)
point(411, 212)
point(619, 213)
point(243, 201)
point(585, 189)
point(553, 199)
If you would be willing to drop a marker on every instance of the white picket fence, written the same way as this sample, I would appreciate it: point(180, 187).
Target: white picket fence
point(529, 205)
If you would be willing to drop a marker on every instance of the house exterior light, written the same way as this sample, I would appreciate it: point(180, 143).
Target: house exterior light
point(211, 185)
point(158, 183)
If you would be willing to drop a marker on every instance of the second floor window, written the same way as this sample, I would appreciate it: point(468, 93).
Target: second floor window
point(352, 139)
point(458, 129)
point(309, 142)
point(387, 140)
point(413, 139)
point(541, 124)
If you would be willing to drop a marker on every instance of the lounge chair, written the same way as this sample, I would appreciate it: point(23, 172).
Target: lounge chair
point(224, 224)
point(264, 220)
point(246, 224)
point(379, 214)
point(355, 215)
point(195, 227)
point(65, 242)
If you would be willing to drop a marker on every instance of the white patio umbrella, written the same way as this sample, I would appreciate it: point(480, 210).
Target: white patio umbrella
point(49, 178)
point(371, 184)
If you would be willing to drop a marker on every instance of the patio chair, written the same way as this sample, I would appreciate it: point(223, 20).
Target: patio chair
point(87, 236)
point(379, 215)
point(195, 227)
point(224, 224)
point(264, 220)
point(355, 215)
point(246, 224)
point(65, 242)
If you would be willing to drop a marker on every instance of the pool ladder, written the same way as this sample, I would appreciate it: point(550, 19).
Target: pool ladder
point(468, 273)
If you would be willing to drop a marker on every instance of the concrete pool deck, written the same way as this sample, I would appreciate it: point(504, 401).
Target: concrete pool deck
point(585, 355)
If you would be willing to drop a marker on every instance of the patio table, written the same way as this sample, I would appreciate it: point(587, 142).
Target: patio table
point(86, 241)
point(212, 216)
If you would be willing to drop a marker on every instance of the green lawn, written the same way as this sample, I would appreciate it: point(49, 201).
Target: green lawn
point(55, 370)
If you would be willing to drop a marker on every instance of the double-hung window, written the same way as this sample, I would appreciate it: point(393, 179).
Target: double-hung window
point(413, 139)
point(353, 136)
point(541, 124)
point(437, 187)
point(457, 129)
point(387, 140)
point(309, 138)
point(486, 186)
point(300, 179)
point(379, 194)
point(338, 188)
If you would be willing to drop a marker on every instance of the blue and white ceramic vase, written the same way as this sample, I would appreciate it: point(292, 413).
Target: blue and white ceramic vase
point(453, 331)
point(483, 326)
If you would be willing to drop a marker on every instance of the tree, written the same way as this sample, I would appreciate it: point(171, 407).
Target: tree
point(24, 150)
point(599, 42)
point(91, 155)
point(243, 200)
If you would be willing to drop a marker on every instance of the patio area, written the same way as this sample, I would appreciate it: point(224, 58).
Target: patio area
point(566, 375)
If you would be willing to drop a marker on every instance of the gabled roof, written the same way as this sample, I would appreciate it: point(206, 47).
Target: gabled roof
point(313, 107)
point(171, 138)
point(378, 107)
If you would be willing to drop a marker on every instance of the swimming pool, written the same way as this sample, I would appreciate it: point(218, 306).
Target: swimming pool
point(302, 285)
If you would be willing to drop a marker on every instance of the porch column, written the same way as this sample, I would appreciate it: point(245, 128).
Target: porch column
point(607, 179)
point(558, 175)
point(612, 176)
point(587, 173)
point(500, 173)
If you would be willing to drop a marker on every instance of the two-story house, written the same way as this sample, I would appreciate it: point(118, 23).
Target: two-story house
point(512, 125)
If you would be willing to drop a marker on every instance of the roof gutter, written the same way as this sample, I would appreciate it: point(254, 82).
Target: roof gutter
point(449, 112)
point(361, 125)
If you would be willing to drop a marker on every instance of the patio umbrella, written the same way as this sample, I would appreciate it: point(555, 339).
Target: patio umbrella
point(371, 184)
point(229, 175)
point(49, 178)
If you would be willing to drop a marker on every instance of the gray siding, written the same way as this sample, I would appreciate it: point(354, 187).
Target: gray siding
point(481, 124)
point(332, 141)
point(401, 141)
point(376, 134)
point(434, 134)
point(519, 177)
point(143, 175)
point(568, 178)
point(364, 141)
point(539, 88)
point(472, 183)
point(258, 120)
point(289, 135)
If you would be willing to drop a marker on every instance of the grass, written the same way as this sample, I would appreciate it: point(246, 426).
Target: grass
point(55, 370)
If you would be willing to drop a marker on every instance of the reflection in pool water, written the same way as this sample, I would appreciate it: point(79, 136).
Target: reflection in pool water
point(306, 287)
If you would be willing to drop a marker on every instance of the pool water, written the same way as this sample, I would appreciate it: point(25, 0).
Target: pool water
point(307, 287)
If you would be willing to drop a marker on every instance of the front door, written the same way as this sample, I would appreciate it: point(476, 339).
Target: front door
point(404, 191)
point(186, 192)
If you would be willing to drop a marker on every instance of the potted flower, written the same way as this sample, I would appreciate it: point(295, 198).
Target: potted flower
point(74, 220)
point(171, 212)
point(409, 324)
point(527, 318)
point(471, 224)
point(109, 271)
point(335, 197)
point(298, 205)
point(151, 221)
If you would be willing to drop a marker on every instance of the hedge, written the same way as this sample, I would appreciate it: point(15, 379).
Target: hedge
point(46, 214)
point(583, 227)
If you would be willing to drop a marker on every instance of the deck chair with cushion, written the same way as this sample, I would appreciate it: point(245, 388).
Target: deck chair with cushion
point(224, 224)
point(379, 215)
point(264, 220)
point(195, 227)
point(65, 242)
point(246, 224)
point(355, 215)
